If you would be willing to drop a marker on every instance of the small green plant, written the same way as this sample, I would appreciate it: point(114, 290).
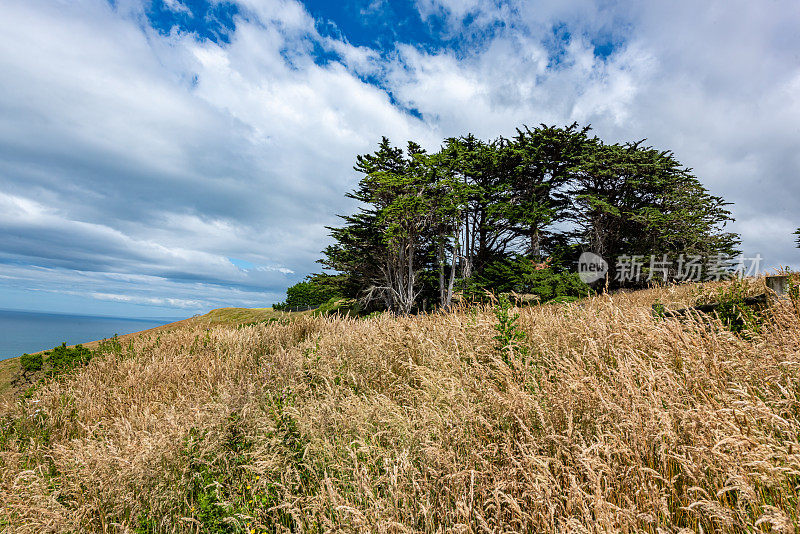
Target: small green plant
point(110, 345)
point(793, 289)
point(659, 310)
point(792, 283)
point(146, 525)
point(216, 496)
point(27, 430)
point(224, 496)
point(509, 336)
point(738, 316)
point(31, 363)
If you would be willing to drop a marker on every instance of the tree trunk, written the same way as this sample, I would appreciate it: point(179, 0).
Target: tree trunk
point(409, 299)
point(535, 247)
point(440, 256)
point(449, 297)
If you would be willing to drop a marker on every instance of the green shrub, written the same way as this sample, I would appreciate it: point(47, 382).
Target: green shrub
point(309, 293)
point(549, 285)
point(65, 358)
point(110, 345)
point(520, 275)
point(215, 480)
point(31, 362)
point(221, 493)
point(315, 290)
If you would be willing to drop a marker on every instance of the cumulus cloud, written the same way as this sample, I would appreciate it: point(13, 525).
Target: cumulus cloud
point(124, 150)
point(136, 162)
point(176, 6)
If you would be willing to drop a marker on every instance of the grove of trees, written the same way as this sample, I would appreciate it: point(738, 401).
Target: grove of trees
point(512, 214)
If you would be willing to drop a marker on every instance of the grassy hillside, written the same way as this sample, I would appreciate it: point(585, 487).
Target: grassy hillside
point(601, 418)
point(10, 368)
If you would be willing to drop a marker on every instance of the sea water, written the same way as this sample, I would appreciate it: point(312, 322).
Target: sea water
point(30, 332)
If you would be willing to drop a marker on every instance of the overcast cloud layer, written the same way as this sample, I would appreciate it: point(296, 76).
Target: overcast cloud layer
point(148, 172)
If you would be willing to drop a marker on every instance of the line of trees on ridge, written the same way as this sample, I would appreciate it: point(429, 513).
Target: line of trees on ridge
point(510, 214)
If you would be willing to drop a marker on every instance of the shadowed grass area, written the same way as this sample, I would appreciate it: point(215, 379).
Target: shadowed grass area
point(9, 368)
point(596, 416)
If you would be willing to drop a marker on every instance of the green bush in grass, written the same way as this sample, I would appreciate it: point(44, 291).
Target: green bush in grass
point(31, 362)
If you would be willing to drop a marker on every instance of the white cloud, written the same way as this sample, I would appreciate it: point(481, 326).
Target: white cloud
point(150, 301)
point(176, 6)
point(128, 151)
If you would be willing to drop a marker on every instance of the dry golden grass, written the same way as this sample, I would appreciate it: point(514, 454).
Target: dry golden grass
point(614, 422)
point(10, 368)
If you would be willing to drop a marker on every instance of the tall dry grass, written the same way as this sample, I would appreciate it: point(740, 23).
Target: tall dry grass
point(614, 421)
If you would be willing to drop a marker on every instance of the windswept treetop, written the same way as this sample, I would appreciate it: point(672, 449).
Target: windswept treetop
point(429, 226)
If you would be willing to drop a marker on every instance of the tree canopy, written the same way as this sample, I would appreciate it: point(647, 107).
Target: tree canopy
point(506, 214)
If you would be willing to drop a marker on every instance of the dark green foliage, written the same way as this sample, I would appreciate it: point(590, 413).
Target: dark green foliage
point(486, 175)
point(635, 200)
point(385, 247)
point(316, 289)
point(521, 275)
point(31, 362)
point(459, 219)
point(109, 346)
point(146, 525)
point(38, 368)
point(65, 358)
point(541, 163)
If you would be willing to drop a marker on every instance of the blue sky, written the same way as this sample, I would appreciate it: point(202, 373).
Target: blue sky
point(164, 158)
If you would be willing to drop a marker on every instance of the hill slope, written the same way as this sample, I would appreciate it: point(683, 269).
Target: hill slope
point(10, 368)
point(603, 419)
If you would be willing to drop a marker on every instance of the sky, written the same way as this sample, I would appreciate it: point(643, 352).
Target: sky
point(168, 157)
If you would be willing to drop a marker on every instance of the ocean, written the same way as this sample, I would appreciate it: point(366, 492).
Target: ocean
point(22, 332)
